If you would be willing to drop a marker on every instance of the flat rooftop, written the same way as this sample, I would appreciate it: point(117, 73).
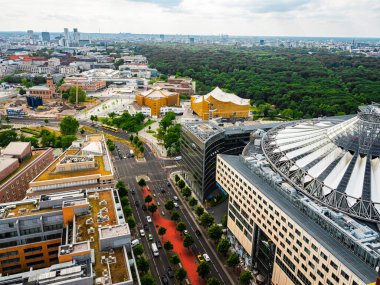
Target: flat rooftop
point(343, 254)
point(102, 200)
point(203, 130)
point(16, 148)
point(6, 161)
point(115, 231)
point(49, 173)
point(24, 208)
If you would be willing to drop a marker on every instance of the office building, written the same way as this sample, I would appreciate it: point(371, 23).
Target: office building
point(183, 86)
point(200, 144)
point(74, 237)
point(220, 104)
point(44, 91)
point(45, 36)
point(89, 85)
point(86, 164)
point(156, 98)
point(66, 37)
point(19, 164)
point(303, 201)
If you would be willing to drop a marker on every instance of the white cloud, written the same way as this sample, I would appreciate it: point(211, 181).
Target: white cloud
point(238, 17)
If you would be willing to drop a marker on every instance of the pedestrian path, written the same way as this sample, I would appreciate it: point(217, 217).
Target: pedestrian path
point(188, 259)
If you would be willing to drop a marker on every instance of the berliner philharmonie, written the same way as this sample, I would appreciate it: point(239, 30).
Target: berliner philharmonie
point(304, 200)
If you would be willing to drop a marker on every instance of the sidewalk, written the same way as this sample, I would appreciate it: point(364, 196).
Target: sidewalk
point(151, 141)
point(231, 279)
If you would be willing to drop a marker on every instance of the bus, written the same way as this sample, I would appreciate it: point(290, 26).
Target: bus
point(155, 249)
point(107, 127)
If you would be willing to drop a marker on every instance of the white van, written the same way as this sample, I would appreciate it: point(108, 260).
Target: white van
point(135, 242)
point(155, 249)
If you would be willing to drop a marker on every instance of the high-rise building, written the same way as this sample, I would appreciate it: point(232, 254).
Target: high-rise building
point(76, 37)
point(303, 205)
point(66, 36)
point(45, 36)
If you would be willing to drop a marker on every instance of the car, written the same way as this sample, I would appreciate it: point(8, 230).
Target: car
point(146, 227)
point(159, 244)
point(170, 272)
point(164, 279)
point(175, 198)
point(149, 219)
point(143, 207)
point(150, 237)
point(137, 203)
point(158, 203)
point(125, 157)
point(198, 233)
point(133, 191)
point(168, 183)
point(200, 258)
point(163, 191)
point(206, 257)
point(176, 204)
point(142, 233)
point(185, 232)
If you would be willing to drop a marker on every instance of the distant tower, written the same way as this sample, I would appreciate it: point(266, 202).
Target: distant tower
point(191, 40)
point(76, 37)
point(162, 37)
point(45, 36)
point(30, 33)
point(262, 42)
point(50, 84)
point(66, 36)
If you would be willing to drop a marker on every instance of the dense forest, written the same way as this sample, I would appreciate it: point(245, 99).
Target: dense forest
point(294, 83)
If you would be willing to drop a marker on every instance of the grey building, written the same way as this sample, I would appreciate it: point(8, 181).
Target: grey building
point(45, 36)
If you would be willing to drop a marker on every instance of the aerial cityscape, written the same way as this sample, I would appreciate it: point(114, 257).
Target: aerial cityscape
point(190, 142)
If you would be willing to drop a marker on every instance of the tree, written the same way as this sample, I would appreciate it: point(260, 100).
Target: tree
point(204, 269)
point(138, 250)
point(152, 208)
point(223, 246)
point(22, 91)
point(167, 120)
point(82, 131)
point(6, 137)
point(215, 232)
point(212, 281)
point(69, 125)
point(181, 184)
point(148, 199)
point(93, 118)
point(169, 205)
point(131, 222)
point(142, 182)
point(177, 178)
point(127, 211)
point(46, 121)
point(224, 221)
point(66, 141)
point(175, 216)
point(181, 226)
point(161, 231)
point(193, 202)
point(180, 274)
point(147, 279)
point(186, 192)
point(120, 184)
point(245, 277)
point(233, 260)
point(168, 245)
point(142, 264)
point(188, 241)
point(199, 211)
point(174, 259)
point(206, 220)
point(73, 95)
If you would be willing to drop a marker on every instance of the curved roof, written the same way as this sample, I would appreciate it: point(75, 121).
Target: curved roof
point(334, 162)
point(222, 96)
point(157, 92)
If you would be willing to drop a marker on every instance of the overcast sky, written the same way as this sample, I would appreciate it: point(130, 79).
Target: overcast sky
point(351, 18)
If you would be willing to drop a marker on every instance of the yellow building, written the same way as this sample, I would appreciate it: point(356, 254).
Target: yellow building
point(156, 98)
point(221, 104)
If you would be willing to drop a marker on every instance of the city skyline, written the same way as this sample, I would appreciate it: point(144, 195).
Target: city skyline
point(310, 18)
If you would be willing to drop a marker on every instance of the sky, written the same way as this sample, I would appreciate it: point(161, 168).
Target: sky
point(319, 18)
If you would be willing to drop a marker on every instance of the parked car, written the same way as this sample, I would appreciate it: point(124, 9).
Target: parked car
point(146, 227)
point(142, 233)
point(185, 232)
point(159, 244)
point(143, 207)
point(137, 203)
point(149, 219)
point(198, 233)
point(176, 204)
point(150, 237)
point(175, 198)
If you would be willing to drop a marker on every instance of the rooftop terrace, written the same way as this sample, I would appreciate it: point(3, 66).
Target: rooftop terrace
point(102, 202)
point(24, 208)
